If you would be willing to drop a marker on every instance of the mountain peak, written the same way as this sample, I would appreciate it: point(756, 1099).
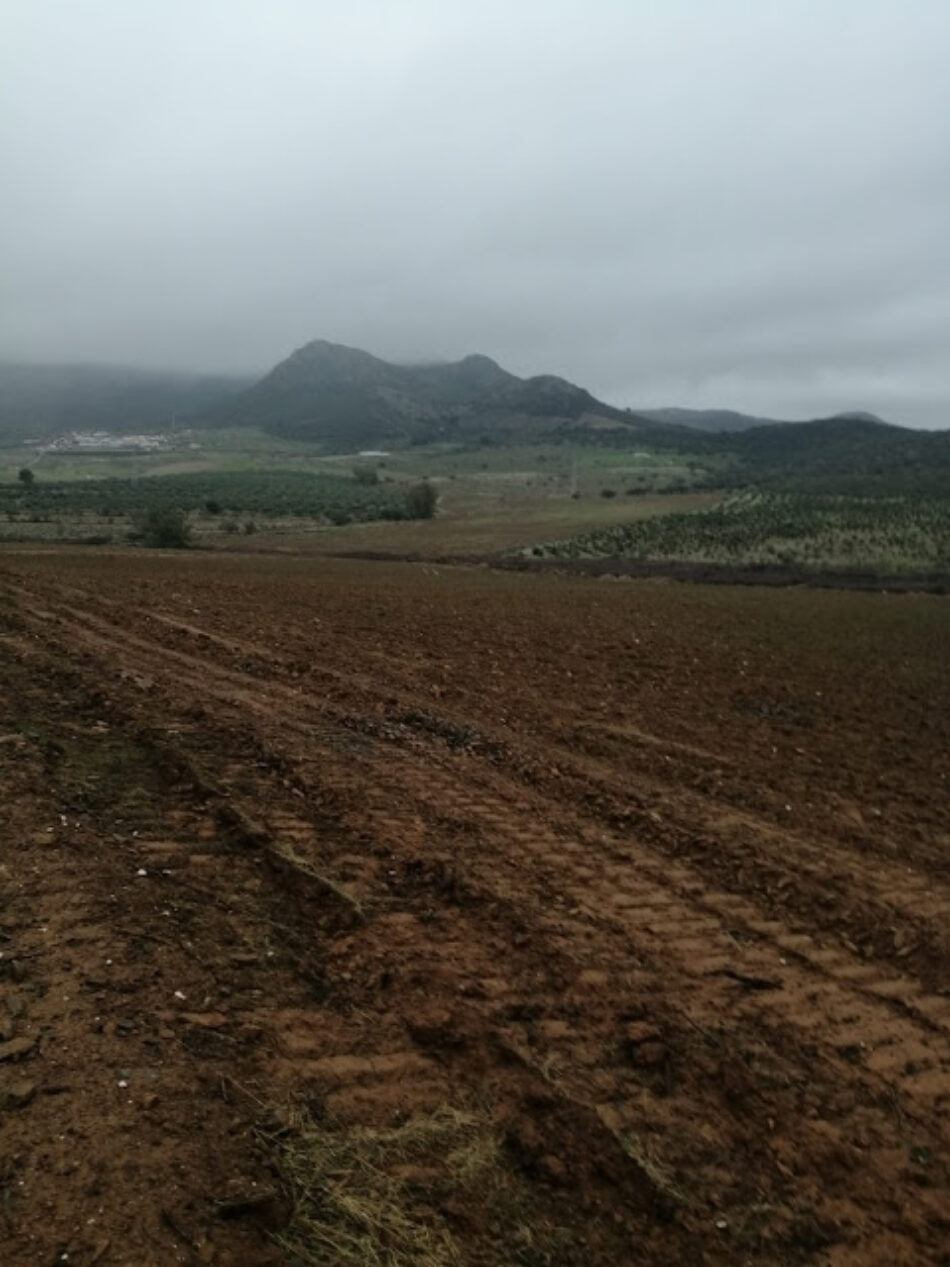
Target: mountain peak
point(323, 352)
point(858, 415)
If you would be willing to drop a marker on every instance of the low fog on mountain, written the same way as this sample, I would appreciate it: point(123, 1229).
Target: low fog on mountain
point(681, 204)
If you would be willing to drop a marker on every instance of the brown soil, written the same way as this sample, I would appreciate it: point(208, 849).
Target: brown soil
point(617, 567)
point(648, 885)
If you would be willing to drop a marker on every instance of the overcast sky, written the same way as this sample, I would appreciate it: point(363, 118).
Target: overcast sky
point(693, 202)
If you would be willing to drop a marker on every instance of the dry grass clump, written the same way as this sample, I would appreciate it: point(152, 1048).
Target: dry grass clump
point(391, 1197)
point(362, 1194)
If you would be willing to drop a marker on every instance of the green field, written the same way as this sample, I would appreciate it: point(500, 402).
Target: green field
point(298, 493)
point(183, 453)
point(563, 498)
point(555, 466)
point(805, 530)
point(618, 470)
point(490, 497)
point(102, 511)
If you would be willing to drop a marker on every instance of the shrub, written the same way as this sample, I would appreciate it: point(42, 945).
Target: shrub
point(421, 500)
point(163, 529)
point(365, 475)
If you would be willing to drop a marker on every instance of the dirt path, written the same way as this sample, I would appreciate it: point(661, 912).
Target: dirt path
point(397, 876)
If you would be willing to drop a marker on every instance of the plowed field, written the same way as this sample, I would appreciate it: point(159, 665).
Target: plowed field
point(360, 912)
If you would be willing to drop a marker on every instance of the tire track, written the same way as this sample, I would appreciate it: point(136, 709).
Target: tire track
point(609, 902)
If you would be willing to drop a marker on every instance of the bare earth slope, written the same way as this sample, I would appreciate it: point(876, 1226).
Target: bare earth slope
point(649, 885)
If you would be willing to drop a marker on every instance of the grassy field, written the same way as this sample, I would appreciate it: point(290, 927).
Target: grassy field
point(557, 499)
point(588, 469)
point(184, 452)
point(550, 465)
point(297, 496)
point(467, 525)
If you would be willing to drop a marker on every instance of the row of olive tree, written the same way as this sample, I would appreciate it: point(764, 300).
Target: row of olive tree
point(170, 529)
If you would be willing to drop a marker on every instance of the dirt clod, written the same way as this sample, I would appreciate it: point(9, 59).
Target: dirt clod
point(17, 1095)
point(18, 1048)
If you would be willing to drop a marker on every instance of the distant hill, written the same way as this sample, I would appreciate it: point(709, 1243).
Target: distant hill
point(705, 419)
point(725, 419)
point(41, 400)
point(328, 392)
point(845, 453)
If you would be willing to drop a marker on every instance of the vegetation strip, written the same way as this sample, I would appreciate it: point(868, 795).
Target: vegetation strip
point(886, 535)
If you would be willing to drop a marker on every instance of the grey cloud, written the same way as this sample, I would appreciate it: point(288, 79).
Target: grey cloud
point(726, 204)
